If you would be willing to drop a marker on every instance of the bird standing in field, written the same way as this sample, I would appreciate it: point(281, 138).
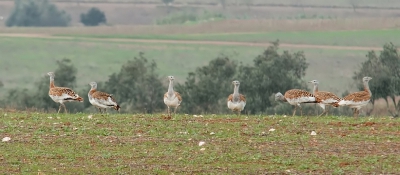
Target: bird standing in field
point(236, 101)
point(62, 94)
point(101, 100)
point(171, 98)
point(324, 98)
point(296, 97)
point(357, 100)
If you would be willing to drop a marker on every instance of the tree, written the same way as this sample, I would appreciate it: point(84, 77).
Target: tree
point(385, 71)
point(167, 2)
point(93, 17)
point(37, 13)
point(272, 72)
point(207, 89)
point(137, 87)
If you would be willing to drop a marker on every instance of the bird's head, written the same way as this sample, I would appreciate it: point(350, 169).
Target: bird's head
point(93, 85)
point(314, 82)
point(366, 79)
point(236, 83)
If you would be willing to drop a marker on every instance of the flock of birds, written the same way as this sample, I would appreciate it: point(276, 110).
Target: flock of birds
point(236, 101)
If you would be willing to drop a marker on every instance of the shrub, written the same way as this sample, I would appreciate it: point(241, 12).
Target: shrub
point(93, 17)
point(37, 13)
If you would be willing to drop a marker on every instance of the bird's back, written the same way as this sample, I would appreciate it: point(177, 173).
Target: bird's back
point(63, 94)
point(295, 96)
point(327, 98)
point(356, 98)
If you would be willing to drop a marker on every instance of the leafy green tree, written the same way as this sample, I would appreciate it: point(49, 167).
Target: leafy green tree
point(207, 89)
point(137, 87)
point(37, 13)
point(272, 72)
point(93, 17)
point(385, 71)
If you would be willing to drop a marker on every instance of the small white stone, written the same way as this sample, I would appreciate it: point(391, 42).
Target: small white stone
point(50, 117)
point(202, 143)
point(313, 133)
point(6, 139)
point(202, 149)
point(212, 133)
point(271, 130)
point(194, 115)
point(284, 116)
point(90, 116)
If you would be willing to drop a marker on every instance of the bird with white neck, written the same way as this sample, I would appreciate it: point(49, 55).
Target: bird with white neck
point(171, 98)
point(236, 101)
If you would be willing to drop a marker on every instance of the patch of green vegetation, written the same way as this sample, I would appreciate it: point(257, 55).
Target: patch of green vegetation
point(150, 144)
point(336, 38)
point(190, 18)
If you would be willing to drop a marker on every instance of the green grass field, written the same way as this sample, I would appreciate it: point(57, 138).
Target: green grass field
point(154, 144)
point(334, 38)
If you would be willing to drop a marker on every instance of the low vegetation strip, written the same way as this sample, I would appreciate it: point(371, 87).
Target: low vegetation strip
point(367, 38)
point(143, 39)
point(210, 144)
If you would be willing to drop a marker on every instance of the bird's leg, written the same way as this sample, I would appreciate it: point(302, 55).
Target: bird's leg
point(65, 108)
point(327, 110)
point(105, 110)
point(175, 110)
point(322, 113)
point(358, 112)
point(168, 111)
point(301, 111)
point(59, 108)
point(294, 111)
point(99, 110)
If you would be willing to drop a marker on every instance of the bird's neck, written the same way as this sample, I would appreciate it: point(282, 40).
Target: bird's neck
point(315, 88)
point(92, 90)
point(171, 88)
point(236, 93)
point(366, 87)
point(52, 82)
point(282, 98)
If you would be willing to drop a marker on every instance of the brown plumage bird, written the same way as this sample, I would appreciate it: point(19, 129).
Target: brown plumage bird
point(171, 98)
point(357, 100)
point(236, 101)
point(324, 98)
point(62, 94)
point(296, 97)
point(101, 100)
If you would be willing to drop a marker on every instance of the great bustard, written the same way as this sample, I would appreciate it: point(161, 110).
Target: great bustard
point(171, 98)
point(357, 100)
point(324, 98)
point(62, 94)
point(296, 97)
point(236, 101)
point(101, 100)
